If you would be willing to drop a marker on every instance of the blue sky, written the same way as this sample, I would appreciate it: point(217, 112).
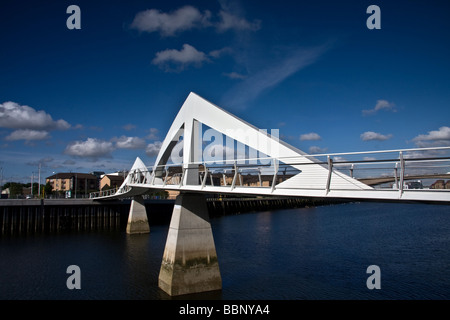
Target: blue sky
point(94, 99)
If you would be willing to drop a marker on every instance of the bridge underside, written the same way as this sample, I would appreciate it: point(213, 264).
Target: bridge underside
point(411, 195)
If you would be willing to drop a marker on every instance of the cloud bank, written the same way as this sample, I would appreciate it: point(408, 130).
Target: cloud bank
point(434, 138)
point(272, 75)
point(370, 136)
point(15, 116)
point(310, 137)
point(132, 143)
point(188, 18)
point(169, 24)
point(91, 148)
point(178, 60)
point(380, 105)
point(28, 135)
point(29, 124)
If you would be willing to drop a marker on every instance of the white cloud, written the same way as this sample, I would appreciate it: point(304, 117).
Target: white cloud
point(270, 76)
point(434, 138)
point(220, 52)
point(15, 116)
point(69, 162)
point(91, 148)
point(28, 135)
point(229, 21)
point(188, 55)
point(370, 135)
point(168, 24)
point(153, 148)
point(189, 17)
point(235, 75)
point(129, 127)
point(310, 137)
point(153, 135)
point(442, 134)
point(339, 159)
point(44, 162)
point(125, 142)
point(317, 150)
point(381, 105)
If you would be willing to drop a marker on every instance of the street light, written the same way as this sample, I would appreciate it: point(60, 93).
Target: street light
point(1, 181)
point(31, 186)
point(39, 185)
point(54, 183)
point(75, 185)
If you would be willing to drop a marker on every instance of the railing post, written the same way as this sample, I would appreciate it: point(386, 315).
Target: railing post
point(233, 183)
point(402, 172)
point(183, 170)
point(147, 177)
point(330, 171)
point(211, 179)
point(205, 175)
point(165, 178)
point(153, 177)
point(274, 180)
point(396, 176)
point(259, 177)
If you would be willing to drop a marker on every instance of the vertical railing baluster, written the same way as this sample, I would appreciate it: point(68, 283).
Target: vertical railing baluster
point(183, 170)
point(274, 180)
point(396, 176)
point(233, 183)
point(330, 171)
point(205, 175)
point(402, 172)
point(165, 178)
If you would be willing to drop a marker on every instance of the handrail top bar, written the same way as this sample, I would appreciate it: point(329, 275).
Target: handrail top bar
point(231, 162)
point(377, 151)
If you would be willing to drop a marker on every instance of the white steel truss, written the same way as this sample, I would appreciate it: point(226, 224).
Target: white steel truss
point(311, 176)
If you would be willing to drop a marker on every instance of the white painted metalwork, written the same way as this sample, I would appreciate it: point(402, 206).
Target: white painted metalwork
point(291, 172)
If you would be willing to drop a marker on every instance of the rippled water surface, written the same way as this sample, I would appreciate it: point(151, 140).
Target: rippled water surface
point(308, 253)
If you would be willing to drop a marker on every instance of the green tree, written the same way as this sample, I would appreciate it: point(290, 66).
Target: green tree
point(47, 189)
point(15, 190)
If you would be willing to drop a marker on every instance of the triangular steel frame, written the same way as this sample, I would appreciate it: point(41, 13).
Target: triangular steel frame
point(196, 110)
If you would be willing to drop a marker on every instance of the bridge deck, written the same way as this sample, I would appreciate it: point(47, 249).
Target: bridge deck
point(426, 195)
point(281, 169)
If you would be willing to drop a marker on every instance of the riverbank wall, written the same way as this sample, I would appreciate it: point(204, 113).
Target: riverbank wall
point(19, 217)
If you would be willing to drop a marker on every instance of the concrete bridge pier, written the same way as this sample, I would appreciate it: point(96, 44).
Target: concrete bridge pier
point(190, 262)
point(137, 218)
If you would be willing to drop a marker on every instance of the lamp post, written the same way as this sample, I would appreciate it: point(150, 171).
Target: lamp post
point(31, 186)
point(39, 183)
point(75, 185)
point(1, 180)
point(57, 194)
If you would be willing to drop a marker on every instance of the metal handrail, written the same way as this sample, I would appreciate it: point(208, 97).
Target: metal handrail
point(148, 176)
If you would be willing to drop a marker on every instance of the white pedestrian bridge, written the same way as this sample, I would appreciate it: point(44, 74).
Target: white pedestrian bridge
point(418, 174)
point(229, 166)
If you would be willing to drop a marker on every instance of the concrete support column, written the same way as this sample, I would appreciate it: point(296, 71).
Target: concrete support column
point(190, 261)
point(137, 218)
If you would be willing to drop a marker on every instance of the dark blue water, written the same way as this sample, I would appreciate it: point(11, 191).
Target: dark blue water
point(309, 253)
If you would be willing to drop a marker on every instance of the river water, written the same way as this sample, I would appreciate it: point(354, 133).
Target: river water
point(306, 253)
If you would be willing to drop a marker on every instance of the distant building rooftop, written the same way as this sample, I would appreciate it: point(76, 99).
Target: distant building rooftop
point(69, 175)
